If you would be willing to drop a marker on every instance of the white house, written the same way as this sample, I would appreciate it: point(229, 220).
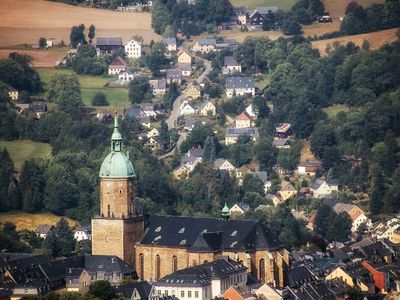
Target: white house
point(43, 229)
point(186, 109)
point(207, 108)
point(231, 66)
point(83, 233)
point(159, 86)
point(240, 86)
point(321, 188)
point(239, 209)
point(133, 49)
point(170, 43)
point(224, 165)
point(203, 282)
point(126, 76)
point(205, 45)
point(356, 214)
point(117, 66)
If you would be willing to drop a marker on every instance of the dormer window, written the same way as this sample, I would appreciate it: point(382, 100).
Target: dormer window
point(158, 229)
point(234, 233)
point(182, 230)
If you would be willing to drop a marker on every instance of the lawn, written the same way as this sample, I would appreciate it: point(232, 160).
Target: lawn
point(282, 4)
point(262, 82)
point(25, 221)
point(117, 97)
point(24, 150)
point(332, 111)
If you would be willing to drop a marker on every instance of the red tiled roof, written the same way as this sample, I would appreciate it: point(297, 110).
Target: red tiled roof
point(118, 61)
point(243, 117)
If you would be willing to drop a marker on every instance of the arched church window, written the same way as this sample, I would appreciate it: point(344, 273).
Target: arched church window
point(141, 266)
point(108, 210)
point(262, 270)
point(174, 263)
point(158, 267)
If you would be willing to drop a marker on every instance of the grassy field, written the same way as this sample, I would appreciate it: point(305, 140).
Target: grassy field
point(333, 110)
point(25, 21)
point(117, 97)
point(262, 82)
point(24, 150)
point(30, 221)
point(282, 4)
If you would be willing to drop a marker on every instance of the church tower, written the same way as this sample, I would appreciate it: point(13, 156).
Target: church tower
point(117, 228)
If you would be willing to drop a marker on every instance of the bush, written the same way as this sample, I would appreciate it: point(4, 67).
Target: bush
point(99, 99)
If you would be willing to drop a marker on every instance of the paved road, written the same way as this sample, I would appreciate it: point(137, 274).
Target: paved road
point(182, 138)
point(175, 109)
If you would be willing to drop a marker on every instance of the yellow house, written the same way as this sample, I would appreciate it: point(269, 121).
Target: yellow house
point(184, 58)
point(13, 94)
point(287, 190)
point(353, 275)
point(207, 108)
point(193, 91)
point(180, 172)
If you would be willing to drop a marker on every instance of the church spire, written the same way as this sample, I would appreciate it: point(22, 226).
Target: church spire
point(116, 138)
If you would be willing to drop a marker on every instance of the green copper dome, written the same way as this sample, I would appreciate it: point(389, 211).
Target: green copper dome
point(225, 210)
point(116, 164)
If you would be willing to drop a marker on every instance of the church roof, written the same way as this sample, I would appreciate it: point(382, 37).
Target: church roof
point(185, 232)
point(116, 164)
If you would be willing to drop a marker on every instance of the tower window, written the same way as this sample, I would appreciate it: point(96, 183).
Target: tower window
point(158, 268)
point(120, 191)
point(108, 210)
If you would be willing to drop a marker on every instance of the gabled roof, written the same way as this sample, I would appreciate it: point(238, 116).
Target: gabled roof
point(234, 132)
point(184, 67)
point(170, 41)
point(243, 117)
point(195, 152)
point(134, 41)
point(158, 83)
point(174, 74)
point(43, 228)
point(107, 263)
point(230, 61)
point(311, 164)
point(109, 41)
point(135, 112)
point(182, 232)
point(191, 122)
point(280, 142)
point(205, 103)
point(286, 186)
point(316, 184)
point(262, 175)
point(206, 42)
point(282, 127)
point(239, 10)
point(266, 9)
point(202, 275)
point(219, 162)
point(207, 242)
point(118, 62)
point(239, 82)
point(300, 275)
point(143, 288)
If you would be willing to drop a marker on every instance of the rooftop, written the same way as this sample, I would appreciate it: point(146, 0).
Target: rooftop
point(239, 82)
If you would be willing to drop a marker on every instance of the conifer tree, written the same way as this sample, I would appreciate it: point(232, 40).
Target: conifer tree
point(6, 177)
point(377, 190)
point(209, 154)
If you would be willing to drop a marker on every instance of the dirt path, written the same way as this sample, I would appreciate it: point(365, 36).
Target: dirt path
point(25, 21)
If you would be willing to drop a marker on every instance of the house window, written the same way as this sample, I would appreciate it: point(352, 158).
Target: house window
point(196, 294)
point(174, 263)
point(189, 294)
point(141, 266)
point(262, 270)
point(158, 275)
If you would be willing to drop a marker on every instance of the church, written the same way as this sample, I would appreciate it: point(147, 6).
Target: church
point(159, 245)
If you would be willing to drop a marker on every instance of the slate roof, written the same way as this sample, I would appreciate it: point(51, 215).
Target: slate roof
point(195, 152)
point(143, 288)
point(234, 132)
point(38, 106)
point(118, 62)
point(184, 67)
point(174, 74)
point(219, 162)
point(265, 9)
point(191, 122)
point(230, 61)
point(207, 242)
point(262, 175)
point(182, 232)
point(109, 41)
point(279, 142)
point(135, 112)
point(158, 83)
point(239, 82)
point(43, 228)
point(170, 41)
point(202, 275)
point(239, 10)
point(206, 42)
point(311, 164)
point(107, 263)
point(316, 184)
point(86, 228)
point(300, 275)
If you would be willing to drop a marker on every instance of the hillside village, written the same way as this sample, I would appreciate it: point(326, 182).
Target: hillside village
point(256, 169)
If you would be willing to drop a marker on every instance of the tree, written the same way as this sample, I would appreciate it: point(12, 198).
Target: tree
point(32, 185)
point(65, 90)
point(340, 228)
point(6, 177)
point(325, 215)
point(140, 90)
point(91, 33)
point(164, 135)
point(392, 196)
point(77, 36)
point(290, 26)
point(171, 95)
point(102, 289)
point(42, 43)
point(210, 151)
point(265, 154)
point(377, 190)
point(86, 62)
point(60, 241)
point(99, 99)
point(157, 60)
